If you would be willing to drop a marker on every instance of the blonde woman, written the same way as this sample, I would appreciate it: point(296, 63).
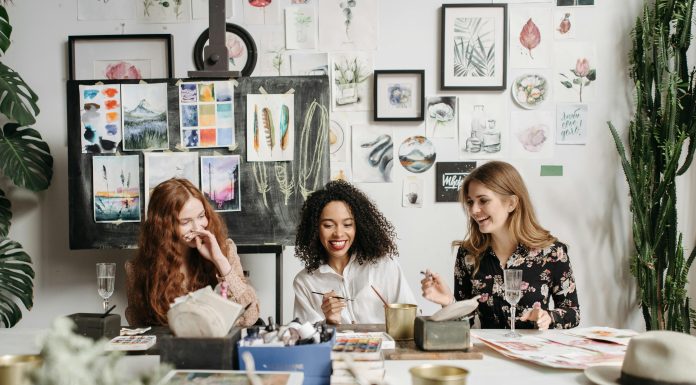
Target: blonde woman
point(505, 234)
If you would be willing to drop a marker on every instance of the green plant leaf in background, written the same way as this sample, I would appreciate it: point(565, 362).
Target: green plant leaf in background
point(5, 214)
point(5, 30)
point(16, 281)
point(17, 100)
point(25, 158)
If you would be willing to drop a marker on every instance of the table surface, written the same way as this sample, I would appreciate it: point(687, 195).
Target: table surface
point(494, 368)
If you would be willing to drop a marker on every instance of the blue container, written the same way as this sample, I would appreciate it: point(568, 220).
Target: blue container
point(313, 360)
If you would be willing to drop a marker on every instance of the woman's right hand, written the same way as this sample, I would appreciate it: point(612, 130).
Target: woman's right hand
point(435, 289)
point(332, 307)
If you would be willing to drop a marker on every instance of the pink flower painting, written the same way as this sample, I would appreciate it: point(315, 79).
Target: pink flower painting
point(584, 76)
point(122, 70)
point(235, 47)
point(533, 137)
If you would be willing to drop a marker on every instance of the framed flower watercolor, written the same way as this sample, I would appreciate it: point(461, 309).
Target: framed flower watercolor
point(398, 95)
point(117, 57)
point(241, 49)
point(473, 47)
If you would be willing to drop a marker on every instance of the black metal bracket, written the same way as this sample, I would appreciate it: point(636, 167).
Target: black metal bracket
point(215, 62)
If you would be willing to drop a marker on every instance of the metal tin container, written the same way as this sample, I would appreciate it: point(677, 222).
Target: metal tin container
point(442, 335)
point(399, 320)
point(438, 375)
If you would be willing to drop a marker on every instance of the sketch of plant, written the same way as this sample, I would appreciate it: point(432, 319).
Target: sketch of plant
point(347, 75)
point(348, 14)
point(278, 59)
point(302, 22)
point(164, 4)
point(584, 75)
point(474, 47)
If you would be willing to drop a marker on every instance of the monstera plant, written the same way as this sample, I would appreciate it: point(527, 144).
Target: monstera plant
point(661, 142)
point(26, 160)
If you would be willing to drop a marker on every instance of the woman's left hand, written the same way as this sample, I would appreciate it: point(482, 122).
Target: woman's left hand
point(541, 316)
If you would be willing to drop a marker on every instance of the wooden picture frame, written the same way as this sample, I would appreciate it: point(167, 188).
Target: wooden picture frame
point(473, 47)
point(398, 95)
point(120, 57)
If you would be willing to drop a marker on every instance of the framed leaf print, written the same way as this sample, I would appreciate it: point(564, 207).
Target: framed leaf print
point(473, 47)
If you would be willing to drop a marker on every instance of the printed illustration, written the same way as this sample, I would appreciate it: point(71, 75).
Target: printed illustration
point(531, 37)
point(417, 154)
point(352, 74)
point(300, 27)
point(220, 182)
point(160, 166)
point(571, 124)
point(145, 122)
point(483, 129)
point(207, 114)
point(448, 179)
point(442, 120)
point(100, 117)
point(116, 188)
point(373, 154)
point(163, 11)
point(575, 72)
point(532, 134)
point(348, 24)
point(270, 127)
point(122, 69)
point(412, 195)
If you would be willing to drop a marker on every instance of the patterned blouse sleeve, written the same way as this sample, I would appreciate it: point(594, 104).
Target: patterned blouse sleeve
point(239, 290)
point(462, 277)
point(566, 313)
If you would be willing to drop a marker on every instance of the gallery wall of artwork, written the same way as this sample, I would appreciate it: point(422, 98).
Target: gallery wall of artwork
point(560, 144)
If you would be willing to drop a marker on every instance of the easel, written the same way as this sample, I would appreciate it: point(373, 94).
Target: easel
point(278, 251)
point(215, 62)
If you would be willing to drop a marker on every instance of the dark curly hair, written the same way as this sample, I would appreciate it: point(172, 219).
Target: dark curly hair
point(374, 234)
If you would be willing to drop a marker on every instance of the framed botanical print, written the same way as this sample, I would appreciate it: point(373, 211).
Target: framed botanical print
point(398, 95)
point(473, 43)
point(117, 57)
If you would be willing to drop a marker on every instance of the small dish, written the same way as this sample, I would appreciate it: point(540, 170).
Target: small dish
point(530, 90)
point(456, 310)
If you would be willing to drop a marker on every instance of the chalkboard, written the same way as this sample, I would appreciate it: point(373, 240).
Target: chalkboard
point(272, 220)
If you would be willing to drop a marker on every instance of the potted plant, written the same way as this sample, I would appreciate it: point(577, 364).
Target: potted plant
point(663, 123)
point(26, 160)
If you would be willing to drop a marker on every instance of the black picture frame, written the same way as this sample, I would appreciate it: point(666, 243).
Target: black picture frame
point(448, 179)
point(489, 74)
point(242, 34)
point(84, 50)
point(387, 83)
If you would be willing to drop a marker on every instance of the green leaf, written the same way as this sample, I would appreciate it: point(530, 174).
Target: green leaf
point(592, 75)
point(16, 281)
point(5, 214)
point(5, 30)
point(567, 84)
point(25, 158)
point(18, 101)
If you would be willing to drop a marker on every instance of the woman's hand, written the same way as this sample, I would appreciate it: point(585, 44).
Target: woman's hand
point(207, 245)
point(435, 289)
point(541, 316)
point(332, 307)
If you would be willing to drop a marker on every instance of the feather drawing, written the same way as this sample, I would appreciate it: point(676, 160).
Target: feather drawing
point(256, 128)
point(284, 133)
point(268, 127)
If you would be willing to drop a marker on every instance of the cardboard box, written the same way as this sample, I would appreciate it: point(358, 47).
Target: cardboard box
point(200, 353)
point(96, 326)
point(313, 360)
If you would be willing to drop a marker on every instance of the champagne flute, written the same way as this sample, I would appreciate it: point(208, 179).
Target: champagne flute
point(513, 293)
point(106, 275)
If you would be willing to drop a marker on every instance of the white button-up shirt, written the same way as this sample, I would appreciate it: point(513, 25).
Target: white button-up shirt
point(366, 308)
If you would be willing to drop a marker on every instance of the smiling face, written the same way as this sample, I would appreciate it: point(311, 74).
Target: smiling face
point(191, 217)
point(489, 209)
point(336, 229)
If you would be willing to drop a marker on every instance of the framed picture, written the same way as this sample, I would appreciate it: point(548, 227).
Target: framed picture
point(473, 47)
point(241, 49)
point(116, 57)
point(398, 95)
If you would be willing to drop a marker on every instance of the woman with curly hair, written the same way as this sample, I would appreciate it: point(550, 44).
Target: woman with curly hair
point(504, 234)
point(346, 245)
point(183, 247)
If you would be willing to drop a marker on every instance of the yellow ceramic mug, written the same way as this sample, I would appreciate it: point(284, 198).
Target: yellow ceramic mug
point(14, 368)
point(400, 318)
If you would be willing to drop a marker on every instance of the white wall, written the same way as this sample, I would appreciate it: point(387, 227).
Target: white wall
point(587, 208)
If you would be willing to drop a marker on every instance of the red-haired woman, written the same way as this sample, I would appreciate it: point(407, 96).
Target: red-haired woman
point(183, 247)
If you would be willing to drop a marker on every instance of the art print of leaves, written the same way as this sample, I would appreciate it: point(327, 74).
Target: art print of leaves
point(530, 37)
point(474, 47)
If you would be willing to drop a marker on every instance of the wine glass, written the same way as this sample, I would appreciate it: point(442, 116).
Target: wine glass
point(106, 275)
point(513, 293)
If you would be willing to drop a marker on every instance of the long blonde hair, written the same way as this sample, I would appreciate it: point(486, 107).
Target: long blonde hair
point(503, 179)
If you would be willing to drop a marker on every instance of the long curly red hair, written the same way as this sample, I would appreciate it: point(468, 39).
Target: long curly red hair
point(158, 277)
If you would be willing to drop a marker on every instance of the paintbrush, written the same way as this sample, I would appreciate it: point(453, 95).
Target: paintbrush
point(337, 297)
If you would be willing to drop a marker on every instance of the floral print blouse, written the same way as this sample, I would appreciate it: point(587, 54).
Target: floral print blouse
point(546, 273)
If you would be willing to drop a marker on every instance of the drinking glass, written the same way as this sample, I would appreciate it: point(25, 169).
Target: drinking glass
point(513, 293)
point(106, 275)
